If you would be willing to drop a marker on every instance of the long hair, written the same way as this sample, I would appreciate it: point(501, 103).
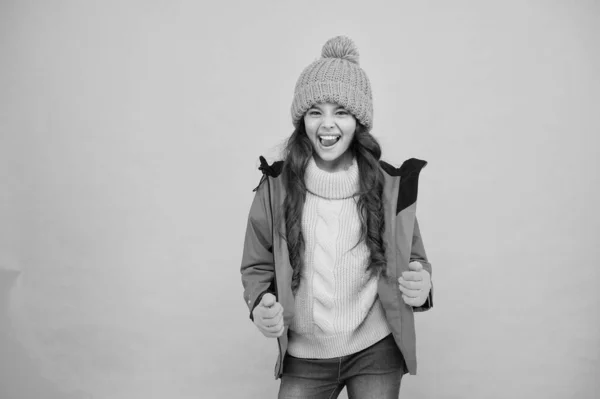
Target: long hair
point(367, 152)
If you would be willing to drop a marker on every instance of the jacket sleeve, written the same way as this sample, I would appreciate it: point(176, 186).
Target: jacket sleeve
point(418, 254)
point(258, 268)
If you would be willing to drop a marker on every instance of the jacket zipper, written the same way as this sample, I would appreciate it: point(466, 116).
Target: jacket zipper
point(280, 358)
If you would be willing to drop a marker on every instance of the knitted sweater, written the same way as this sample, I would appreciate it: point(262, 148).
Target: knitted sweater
point(337, 310)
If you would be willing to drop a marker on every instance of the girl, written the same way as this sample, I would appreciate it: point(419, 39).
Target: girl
point(333, 263)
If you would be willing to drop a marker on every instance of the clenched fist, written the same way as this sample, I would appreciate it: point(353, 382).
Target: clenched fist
point(268, 316)
point(415, 285)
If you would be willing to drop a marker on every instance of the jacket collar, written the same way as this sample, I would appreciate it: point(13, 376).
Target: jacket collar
point(408, 167)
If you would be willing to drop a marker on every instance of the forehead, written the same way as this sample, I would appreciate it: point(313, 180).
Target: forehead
point(323, 106)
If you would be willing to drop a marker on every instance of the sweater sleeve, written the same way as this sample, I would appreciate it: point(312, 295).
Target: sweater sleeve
point(418, 254)
point(257, 267)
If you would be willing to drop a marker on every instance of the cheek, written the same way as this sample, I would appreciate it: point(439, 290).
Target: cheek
point(350, 128)
point(311, 134)
point(308, 125)
point(311, 130)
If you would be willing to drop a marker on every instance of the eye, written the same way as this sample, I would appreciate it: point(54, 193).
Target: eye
point(314, 112)
point(342, 112)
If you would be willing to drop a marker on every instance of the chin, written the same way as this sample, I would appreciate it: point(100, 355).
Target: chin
point(330, 157)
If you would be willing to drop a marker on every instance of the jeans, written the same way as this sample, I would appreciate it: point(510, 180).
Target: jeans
point(373, 373)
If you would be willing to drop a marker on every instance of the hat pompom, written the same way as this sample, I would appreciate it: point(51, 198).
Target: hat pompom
point(340, 47)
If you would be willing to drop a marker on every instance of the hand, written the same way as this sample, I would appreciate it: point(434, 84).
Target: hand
point(415, 285)
point(268, 316)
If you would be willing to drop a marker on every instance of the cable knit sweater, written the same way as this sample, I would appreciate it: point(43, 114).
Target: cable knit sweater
point(337, 308)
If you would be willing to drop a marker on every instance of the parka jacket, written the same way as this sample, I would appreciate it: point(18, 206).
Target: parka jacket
point(265, 261)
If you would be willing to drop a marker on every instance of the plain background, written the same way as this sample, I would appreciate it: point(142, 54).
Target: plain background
point(129, 140)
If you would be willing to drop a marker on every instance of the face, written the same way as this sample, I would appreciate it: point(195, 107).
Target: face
point(330, 129)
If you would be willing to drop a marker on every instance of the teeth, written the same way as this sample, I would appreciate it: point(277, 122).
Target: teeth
point(329, 137)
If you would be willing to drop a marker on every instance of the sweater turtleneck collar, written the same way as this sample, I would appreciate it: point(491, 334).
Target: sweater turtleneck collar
point(332, 185)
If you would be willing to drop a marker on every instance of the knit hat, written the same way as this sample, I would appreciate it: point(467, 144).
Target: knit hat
point(337, 78)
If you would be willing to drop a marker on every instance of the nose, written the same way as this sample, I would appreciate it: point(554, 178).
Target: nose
point(328, 122)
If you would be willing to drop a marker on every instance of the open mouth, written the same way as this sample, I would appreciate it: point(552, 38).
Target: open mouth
point(329, 140)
